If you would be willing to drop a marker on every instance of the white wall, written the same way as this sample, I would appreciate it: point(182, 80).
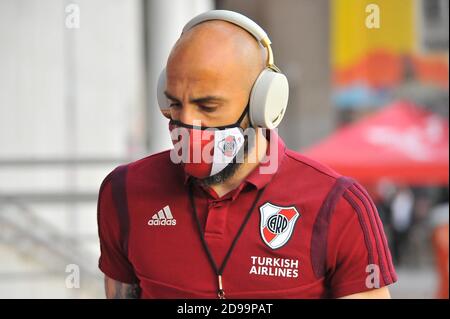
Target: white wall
point(65, 93)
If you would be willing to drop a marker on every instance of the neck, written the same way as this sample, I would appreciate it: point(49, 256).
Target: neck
point(252, 160)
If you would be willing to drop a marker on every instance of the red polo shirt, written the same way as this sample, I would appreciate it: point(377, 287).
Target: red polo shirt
point(312, 233)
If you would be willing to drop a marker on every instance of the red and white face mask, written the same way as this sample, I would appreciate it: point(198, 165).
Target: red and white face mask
point(205, 151)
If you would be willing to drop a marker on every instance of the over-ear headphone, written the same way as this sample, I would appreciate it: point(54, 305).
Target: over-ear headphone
point(270, 92)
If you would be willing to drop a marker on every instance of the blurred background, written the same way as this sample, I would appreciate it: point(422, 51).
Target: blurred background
point(368, 97)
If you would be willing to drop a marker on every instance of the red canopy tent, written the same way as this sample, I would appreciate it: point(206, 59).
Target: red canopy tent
point(402, 143)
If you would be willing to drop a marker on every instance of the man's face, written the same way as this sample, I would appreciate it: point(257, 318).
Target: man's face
point(210, 73)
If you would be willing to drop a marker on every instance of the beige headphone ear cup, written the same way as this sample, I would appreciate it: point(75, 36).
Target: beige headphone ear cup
point(162, 99)
point(268, 99)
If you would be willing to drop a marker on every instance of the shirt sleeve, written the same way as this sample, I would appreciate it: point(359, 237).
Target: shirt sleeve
point(358, 253)
point(113, 261)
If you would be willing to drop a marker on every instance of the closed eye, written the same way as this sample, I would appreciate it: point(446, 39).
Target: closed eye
point(175, 104)
point(207, 109)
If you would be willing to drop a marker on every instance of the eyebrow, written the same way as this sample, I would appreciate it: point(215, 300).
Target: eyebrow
point(199, 100)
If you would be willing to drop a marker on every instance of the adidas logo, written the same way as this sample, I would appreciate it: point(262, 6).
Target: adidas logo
point(163, 218)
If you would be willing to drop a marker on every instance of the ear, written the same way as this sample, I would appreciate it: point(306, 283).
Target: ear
point(162, 99)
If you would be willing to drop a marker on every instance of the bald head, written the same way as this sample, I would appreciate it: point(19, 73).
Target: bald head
point(213, 59)
point(217, 44)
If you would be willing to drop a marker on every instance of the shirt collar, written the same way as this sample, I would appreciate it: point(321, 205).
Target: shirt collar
point(266, 170)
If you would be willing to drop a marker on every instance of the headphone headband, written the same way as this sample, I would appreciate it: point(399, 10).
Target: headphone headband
point(240, 20)
point(270, 91)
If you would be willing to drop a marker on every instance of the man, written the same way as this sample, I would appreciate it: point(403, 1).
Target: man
point(274, 225)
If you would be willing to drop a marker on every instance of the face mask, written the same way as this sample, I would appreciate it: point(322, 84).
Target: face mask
point(205, 151)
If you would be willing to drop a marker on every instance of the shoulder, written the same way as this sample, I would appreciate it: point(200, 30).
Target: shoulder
point(309, 171)
point(155, 167)
point(152, 176)
point(152, 162)
point(325, 181)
